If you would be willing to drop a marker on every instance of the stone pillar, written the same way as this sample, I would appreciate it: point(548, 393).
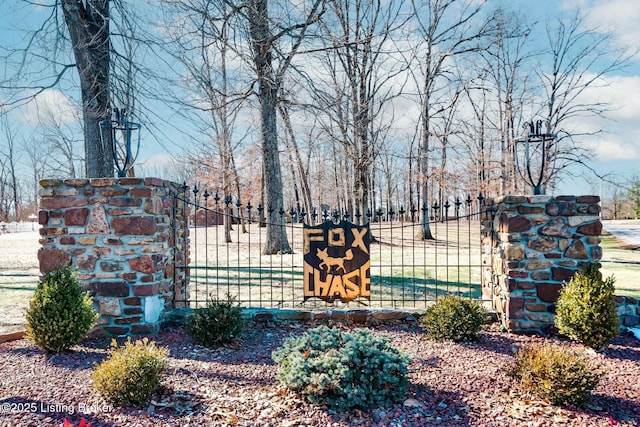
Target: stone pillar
point(532, 245)
point(120, 236)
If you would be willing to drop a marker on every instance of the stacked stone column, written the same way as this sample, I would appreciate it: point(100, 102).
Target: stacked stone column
point(125, 237)
point(532, 245)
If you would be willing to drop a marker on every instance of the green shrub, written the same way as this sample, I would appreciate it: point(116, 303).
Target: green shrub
point(131, 373)
point(343, 369)
point(455, 318)
point(60, 314)
point(586, 308)
point(558, 375)
point(217, 323)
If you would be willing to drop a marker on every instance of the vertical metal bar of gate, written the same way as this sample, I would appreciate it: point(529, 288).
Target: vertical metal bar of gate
point(457, 207)
point(445, 219)
point(381, 276)
point(392, 279)
point(248, 209)
point(227, 217)
point(435, 249)
point(195, 238)
point(469, 239)
point(293, 263)
point(401, 218)
point(216, 198)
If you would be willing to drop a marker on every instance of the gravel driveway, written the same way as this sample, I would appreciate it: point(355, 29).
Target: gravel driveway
point(628, 230)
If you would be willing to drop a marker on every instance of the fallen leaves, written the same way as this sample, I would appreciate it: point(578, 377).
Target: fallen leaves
point(412, 403)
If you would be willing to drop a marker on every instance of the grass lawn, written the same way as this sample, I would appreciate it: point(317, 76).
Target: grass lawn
point(392, 270)
point(623, 262)
point(18, 276)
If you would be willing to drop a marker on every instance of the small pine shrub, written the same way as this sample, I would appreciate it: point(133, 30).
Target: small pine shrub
point(217, 323)
point(60, 314)
point(558, 375)
point(455, 318)
point(586, 308)
point(343, 369)
point(131, 373)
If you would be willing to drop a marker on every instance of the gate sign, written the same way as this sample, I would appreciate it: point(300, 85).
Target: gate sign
point(336, 261)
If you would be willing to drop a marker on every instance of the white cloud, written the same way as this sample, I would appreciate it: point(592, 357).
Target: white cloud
point(160, 165)
point(624, 93)
point(49, 105)
point(621, 139)
point(613, 148)
point(618, 17)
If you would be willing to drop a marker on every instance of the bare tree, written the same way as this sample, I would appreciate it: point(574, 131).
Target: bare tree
point(364, 79)
point(8, 162)
point(264, 36)
point(5, 194)
point(76, 34)
point(633, 194)
point(38, 156)
point(391, 179)
point(507, 68)
point(88, 26)
point(444, 132)
point(202, 32)
point(299, 171)
point(448, 29)
point(579, 59)
point(478, 139)
point(58, 139)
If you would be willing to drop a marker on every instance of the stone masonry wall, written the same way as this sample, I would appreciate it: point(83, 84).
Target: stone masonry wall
point(531, 246)
point(119, 235)
point(628, 311)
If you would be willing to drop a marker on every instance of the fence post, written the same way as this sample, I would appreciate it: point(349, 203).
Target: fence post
point(118, 235)
point(535, 244)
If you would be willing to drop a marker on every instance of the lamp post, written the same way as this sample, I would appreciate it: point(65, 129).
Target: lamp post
point(121, 133)
point(536, 143)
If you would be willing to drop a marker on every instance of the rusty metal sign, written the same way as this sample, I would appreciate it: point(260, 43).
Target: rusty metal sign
point(337, 261)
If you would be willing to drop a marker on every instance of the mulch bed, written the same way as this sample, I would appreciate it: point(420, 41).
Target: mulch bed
point(450, 385)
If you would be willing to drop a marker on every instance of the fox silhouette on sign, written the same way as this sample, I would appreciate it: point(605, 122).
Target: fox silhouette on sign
point(336, 261)
point(328, 261)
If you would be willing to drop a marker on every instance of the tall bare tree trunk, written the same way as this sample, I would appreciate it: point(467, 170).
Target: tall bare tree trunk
point(262, 44)
point(11, 178)
point(223, 117)
point(303, 174)
point(425, 232)
point(445, 36)
point(88, 25)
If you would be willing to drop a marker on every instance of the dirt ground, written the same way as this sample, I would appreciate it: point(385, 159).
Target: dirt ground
point(449, 385)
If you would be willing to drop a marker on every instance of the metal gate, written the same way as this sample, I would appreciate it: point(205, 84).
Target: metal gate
point(406, 270)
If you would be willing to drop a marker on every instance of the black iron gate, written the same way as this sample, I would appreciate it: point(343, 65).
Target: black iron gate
point(406, 270)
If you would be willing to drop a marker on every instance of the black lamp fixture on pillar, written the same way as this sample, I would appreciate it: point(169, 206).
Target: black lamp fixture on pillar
point(535, 146)
point(121, 132)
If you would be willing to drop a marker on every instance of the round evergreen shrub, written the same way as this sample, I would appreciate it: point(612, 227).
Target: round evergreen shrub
point(216, 324)
point(131, 373)
point(586, 308)
point(60, 314)
point(455, 318)
point(558, 375)
point(343, 369)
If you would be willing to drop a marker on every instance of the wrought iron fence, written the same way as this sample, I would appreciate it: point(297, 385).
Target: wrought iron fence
point(406, 270)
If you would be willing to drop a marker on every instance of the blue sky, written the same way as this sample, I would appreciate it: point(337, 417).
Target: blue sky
point(617, 150)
